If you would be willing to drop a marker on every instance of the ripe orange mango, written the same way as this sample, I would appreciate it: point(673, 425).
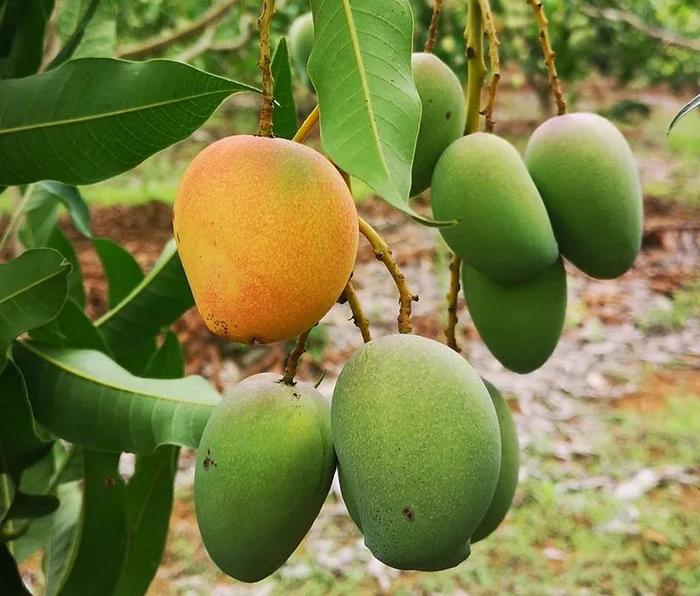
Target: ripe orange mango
point(267, 233)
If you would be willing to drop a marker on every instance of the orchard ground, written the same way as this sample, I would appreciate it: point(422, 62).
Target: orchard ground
point(608, 500)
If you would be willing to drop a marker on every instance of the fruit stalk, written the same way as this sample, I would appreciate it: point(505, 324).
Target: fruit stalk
point(307, 126)
point(433, 29)
point(265, 64)
point(452, 295)
point(358, 315)
point(474, 36)
point(290, 367)
point(549, 55)
point(383, 253)
point(494, 59)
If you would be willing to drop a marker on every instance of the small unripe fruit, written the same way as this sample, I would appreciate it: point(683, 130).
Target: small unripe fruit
point(264, 468)
point(503, 228)
point(301, 42)
point(442, 118)
point(267, 233)
point(588, 178)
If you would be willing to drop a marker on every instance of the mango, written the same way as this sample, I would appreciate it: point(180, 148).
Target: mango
point(503, 230)
point(264, 468)
point(267, 233)
point(510, 465)
point(301, 42)
point(520, 323)
point(588, 179)
point(418, 449)
point(443, 115)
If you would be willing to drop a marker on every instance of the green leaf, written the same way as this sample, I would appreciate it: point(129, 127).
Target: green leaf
point(20, 447)
point(84, 397)
point(7, 495)
point(121, 269)
point(693, 104)
point(93, 118)
point(99, 36)
point(285, 112)
point(88, 10)
point(11, 583)
point(26, 506)
point(70, 329)
point(156, 302)
point(60, 549)
point(69, 196)
point(360, 66)
point(58, 241)
point(22, 27)
point(33, 289)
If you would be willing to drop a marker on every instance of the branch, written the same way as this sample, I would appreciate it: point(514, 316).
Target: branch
point(265, 64)
point(197, 49)
point(158, 44)
point(549, 55)
point(452, 295)
point(433, 29)
point(206, 42)
point(290, 367)
point(358, 315)
point(383, 253)
point(490, 28)
point(474, 36)
point(307, 126)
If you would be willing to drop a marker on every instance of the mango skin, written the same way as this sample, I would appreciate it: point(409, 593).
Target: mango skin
point(301, 42)
point(520, 323)
point(267, 233)
point(443, 116)
point(510, 466)
point(418, 447)
point(588, 178)
point(504, 231)
point(264, 468)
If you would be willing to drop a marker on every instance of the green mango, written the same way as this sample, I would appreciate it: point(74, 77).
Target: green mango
point(264, 468)
point(418, 450)
point(503, 228)
point(301, 41)
point(520, 323)
point(588, 179)
point(510, 465)
point(443, 116)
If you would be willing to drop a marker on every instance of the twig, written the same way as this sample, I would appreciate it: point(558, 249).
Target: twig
point(433, 29)
point(265, 63)
point(383, 253)
point(474, 36)
point(452, 295)
point(290, 367)
point(198, 48)
point(358, 315)
point(160, 43)
point(307, 126)
point(494, 58)
point(549, 55)
point(17, 212)
point(206, 42)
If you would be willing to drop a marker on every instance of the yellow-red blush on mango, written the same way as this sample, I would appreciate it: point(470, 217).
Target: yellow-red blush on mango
point(267, 233)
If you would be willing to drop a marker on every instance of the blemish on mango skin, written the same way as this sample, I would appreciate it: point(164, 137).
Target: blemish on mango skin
point(408, 513)
point(208, 462)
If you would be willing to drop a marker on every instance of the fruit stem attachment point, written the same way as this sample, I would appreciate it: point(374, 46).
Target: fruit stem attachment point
point(495, 60)
point(265, 64)
point(452, 294)
point(433, 29)
point(290, 367)
point(307, 126)
point(474, 36)
point(358, 315)
point(383, 253)
point(549, 55)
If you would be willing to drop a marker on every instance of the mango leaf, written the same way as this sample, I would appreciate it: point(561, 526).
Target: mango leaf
point(121, 269)
point(693, 104)
point(83, 11)
point(20, 446)
point(156, 302)
point(22, 26)
point(100, 36)
point(26, 506)
point(285, 112)
point(33, 289)
point(49, 191)
point(7, 495)
point(86, 398)
point(58, 241)
point(360, 66)
point(70, 329)
point(93, 118)
point(11, 583)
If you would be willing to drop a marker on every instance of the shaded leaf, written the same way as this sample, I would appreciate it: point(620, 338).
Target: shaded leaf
point(22, 27)
point(87, 11)
point(93, 118)
point(70, 329)
point(285, 112)
point(121, 269)
point(69, 197)
point(11, 583)
point(26, 506)
point(7, 494)
point(693, 104)
point(84, 397)
point(58, 241)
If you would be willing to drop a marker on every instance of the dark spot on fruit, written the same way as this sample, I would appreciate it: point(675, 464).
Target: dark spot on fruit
point(448, 115)
point(177, 237)
point(295, 395)
point(109, 482)
point(208, 461)
point(408, 513)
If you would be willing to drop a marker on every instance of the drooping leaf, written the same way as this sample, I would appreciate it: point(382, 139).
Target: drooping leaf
point(48, 191)
point(22, 26)
point(100, 37)
point(121, 269)
point(156, 302)
point(40, 217)
point(167, 362)
point(33, 288)
point(27, 506)
point(20, 446)
point(70, 329)
point(84, 397)
point(58, 241)
point(285, 112)
point(360, 66)
point(11, 583)
point(693, 104)
point(93, 118)
point(85, 10)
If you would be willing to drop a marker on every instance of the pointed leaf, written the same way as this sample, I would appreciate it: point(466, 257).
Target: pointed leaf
point(22, 26)
point(121, 269)
point(84, 397)
point(70, 329)
point(11, 583)
point(93, 118)
point(69, 197)
point(285, 112)
point(693, 104)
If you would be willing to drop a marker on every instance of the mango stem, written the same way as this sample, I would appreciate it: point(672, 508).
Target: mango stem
point(474, 37)
point(495, 62)
point(358, 315)
point(433, 29)
point(265, 64)
point(452, 295)
point(307, 126)
point(290, 367)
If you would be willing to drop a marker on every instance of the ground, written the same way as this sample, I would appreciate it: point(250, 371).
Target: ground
point(608, 500)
